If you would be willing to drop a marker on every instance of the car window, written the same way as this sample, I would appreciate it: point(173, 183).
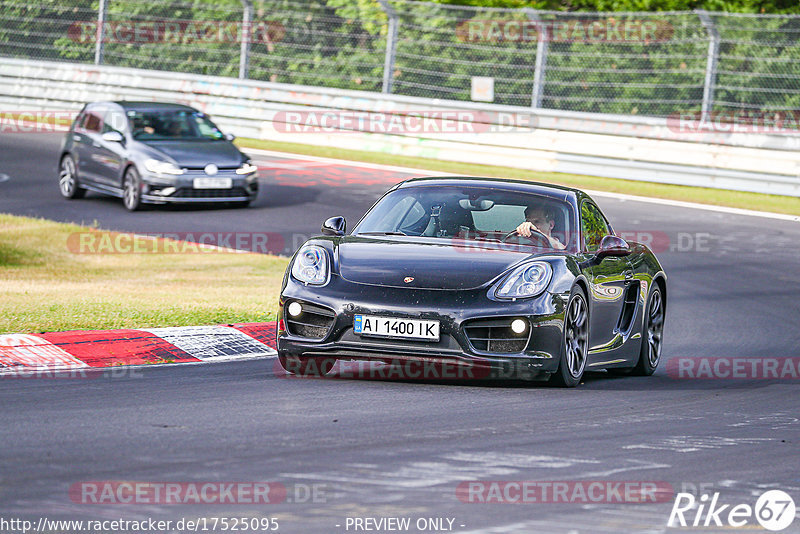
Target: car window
point(114, 120)
point(172, 125)
point(466, 212)
point(92, 122)
point(500, 218)
point(593, 226)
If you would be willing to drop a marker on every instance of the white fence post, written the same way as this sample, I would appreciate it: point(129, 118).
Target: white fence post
point(100, 34)
point(711, 64)
point(391, 46)
point(244, 54)
point(542, 44)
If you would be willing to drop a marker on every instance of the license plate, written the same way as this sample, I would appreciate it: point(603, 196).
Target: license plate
point(213, 183)
point(370, 325)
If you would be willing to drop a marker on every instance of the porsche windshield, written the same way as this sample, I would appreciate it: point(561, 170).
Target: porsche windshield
point(470, 213)
point(172, 124)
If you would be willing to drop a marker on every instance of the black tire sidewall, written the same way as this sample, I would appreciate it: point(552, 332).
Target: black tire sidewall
point(131, 174)
point(643, 366)
point(77, 190)
point(562, 377)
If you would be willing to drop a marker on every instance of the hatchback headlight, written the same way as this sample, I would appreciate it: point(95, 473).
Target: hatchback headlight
point(162, 167)
point(246, 168)
point(527, 280)
point(311, 265)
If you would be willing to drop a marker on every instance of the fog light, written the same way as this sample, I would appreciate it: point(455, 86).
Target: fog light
point(295, 309)
point(519, 326)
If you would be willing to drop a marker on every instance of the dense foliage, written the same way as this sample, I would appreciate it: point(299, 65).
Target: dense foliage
point(342, 43)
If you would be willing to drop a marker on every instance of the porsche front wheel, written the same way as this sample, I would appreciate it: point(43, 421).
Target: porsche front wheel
point(575, 343)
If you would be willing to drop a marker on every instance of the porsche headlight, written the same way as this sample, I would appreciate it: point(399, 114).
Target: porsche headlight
point(162, 167)
point(311, 265)
point(527, 280)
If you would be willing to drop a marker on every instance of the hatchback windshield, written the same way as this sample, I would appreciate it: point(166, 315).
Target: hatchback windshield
point(172, 124)
point(469, 213)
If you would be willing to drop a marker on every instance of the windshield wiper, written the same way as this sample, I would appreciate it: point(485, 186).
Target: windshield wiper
point(383, 233)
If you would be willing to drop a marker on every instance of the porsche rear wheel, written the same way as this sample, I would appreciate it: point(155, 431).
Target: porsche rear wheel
point(652, 334)
point(311, 366)
point(575, 346)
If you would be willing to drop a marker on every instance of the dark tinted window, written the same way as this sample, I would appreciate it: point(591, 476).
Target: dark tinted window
point(92, 122)
point(172, 124)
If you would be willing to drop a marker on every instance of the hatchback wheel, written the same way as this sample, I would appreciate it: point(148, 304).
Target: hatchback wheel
point(132, 190)
point(68, 179)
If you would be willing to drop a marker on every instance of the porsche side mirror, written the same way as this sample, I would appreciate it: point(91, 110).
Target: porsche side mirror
point(334, 226)
point(113, 137)
point(613, 246)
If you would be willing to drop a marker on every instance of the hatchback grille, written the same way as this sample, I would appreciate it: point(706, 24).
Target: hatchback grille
point(314, 322)
point(496, 335)
point(210, 193)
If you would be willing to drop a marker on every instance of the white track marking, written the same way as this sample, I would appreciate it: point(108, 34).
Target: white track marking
point(213, 343)
point(618, 196)
point(22, 353)
point(691, 444)
point(345, 162)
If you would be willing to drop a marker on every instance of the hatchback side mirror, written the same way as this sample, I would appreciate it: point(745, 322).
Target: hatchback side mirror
point(113, 137)
point(334, 226)
point(613, 246)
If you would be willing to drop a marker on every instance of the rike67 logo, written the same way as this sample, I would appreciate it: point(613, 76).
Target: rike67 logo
point(774, 510)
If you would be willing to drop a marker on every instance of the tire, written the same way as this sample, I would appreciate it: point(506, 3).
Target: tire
point(132, 190)
point(311, 366)
point(652, 333)
point(68, 182)
point(575, 341)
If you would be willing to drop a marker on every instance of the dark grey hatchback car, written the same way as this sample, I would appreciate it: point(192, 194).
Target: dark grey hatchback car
point(153, 152)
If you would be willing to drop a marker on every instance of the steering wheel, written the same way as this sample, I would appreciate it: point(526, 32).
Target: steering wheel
point(536, 235)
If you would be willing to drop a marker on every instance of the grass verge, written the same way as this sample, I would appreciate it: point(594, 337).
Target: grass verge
point(46, 287)
point(702, 195)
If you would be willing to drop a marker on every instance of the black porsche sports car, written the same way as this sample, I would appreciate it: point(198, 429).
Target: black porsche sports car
point(437, 271)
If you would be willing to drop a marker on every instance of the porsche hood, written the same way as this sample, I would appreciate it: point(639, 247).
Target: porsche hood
point(424, 264)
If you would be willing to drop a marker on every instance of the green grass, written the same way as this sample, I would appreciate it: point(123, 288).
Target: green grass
point(44, 286)
point(716, 197)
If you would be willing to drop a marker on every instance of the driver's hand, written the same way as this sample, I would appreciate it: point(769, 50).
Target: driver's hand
point(525, 228)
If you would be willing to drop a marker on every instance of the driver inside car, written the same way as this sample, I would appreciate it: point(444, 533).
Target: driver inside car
point(538, 220)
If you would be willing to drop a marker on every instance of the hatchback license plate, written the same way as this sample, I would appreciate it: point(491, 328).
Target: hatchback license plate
point(370, 325)
point(213, 183)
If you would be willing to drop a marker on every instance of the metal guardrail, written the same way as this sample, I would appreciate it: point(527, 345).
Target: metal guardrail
point(635, 148)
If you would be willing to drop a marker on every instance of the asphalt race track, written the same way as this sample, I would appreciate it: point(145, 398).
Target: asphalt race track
point(376, 448)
